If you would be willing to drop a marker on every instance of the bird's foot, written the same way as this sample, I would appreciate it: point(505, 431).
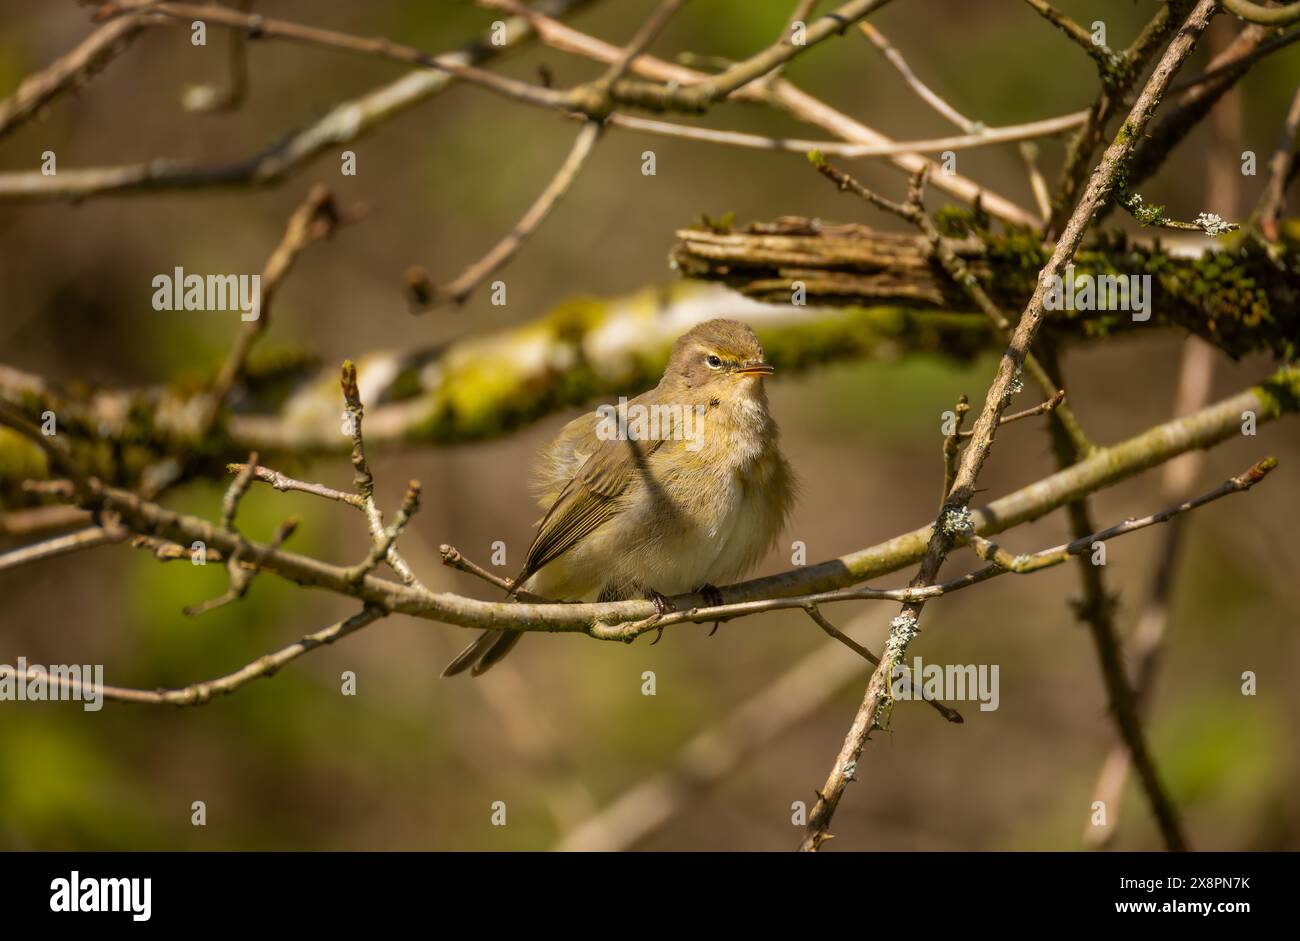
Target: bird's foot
point(660, 601)
point(713, 599)
point(711, 595)
point(662, 606)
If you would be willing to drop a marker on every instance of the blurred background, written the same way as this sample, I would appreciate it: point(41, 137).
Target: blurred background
point(563, 730)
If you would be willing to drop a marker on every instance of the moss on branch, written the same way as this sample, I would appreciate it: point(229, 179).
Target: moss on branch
point(482, 386)
point(1234, 295)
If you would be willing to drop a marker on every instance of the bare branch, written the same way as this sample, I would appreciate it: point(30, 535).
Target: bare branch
point(280, 482)
point(346, 122)
point(365, 483)
point(1273, 201)
point(1266, 16)
point(315, 218)
point(1106, 60)
point(87, 538)
point(199, 694)
point(504, 250)
point(69, 71)
point(778, 93)
point(876, 702)
point(952, 715)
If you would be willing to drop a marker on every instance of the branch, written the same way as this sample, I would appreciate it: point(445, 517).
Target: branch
point(1190, 101)
point(348, 121)
point(315, 218)
point(607, 620)
point(69, 71)
point(381, 539)
point(952, 715)
point(778, 93)
point(959, 273)
point(986, 137)
point(282, 483)
point(87, 538)
point(458, 290)
point(1273, 200)
point(437, 394)
point(1106, 60)
point(1115, 87)
point(1176, 481)
point(1003, 563)
point(200, 694)
point(1267, 16)
point(876, 702)
point(1149, 215)
point(858, 265)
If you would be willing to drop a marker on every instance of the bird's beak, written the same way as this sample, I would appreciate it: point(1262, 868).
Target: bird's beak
point(755, 369)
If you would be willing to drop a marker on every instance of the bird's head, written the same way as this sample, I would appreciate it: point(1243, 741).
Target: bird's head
point(721, 359)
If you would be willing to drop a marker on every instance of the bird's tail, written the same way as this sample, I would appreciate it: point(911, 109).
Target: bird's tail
point(489, 647)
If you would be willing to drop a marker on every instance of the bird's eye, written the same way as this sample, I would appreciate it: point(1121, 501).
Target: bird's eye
point(714, 362)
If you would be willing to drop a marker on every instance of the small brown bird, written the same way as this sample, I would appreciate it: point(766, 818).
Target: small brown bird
point(677, 490)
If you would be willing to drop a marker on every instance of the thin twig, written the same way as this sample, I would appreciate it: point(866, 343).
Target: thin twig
point(913, 211)
point(505, 249)
point(923, 91)
point(1148, 636)
point(952, 445)
point(1042, 408)
point(952, 715)
point(1273, 201)
point(282, 482)
point(199, 694)
point(365, 481)
point(987, 137)
point(1234, 62)
point(1253, 12)
point(69, 71)
point(1037, 184)
point(454, 558)
point(345, 122)
point(1084, 143)
point(315, 218)
point(87, 538)
point(802, 9)
point(1106, 59)
point(780, 94)
point(649, 30)
point(204, 99)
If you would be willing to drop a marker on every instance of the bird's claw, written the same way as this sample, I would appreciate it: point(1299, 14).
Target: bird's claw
point(713, 599)
point(660, 601)
point(662, 606)
point(711, 595)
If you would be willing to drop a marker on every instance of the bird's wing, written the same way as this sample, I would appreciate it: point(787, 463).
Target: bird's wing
point(589, 499)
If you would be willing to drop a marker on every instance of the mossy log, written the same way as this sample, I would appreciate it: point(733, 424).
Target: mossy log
point(1236, 294)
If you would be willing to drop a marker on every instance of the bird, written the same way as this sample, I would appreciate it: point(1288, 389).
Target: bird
point(679, 489)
